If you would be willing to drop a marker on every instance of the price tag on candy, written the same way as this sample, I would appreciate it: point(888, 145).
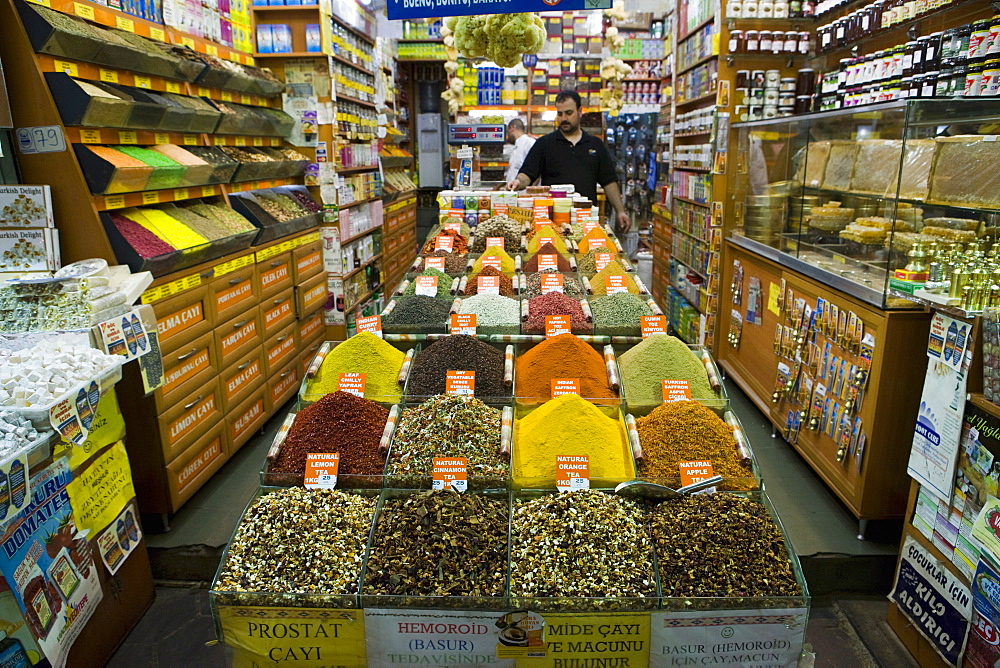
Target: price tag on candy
point(558, 324)
point(488, 285)
point(352, 383)
point(546, 262)
point(461, 383)
point(321, 470)
point(551, 283)
point(561, 386)
point(371, 324)
point(427, 286)
point(614, 284)
point(676, 390)
point(494, 242)
point(572, 473)
point(463, 323)
point(601, 260)
point(653, 324)
point(434, 263)
point(692, 472)
point(450, 473)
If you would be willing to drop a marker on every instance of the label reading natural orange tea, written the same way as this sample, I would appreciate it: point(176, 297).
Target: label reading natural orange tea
point(558, 324)
point(692, 472)
point(450, 473)
point(488, 285)
point(427, 286)
point(463, 323)
point(371, 324)
point(352, 383)
point(601, 260)
point(551, 283)
point(321, 470)
point(444, 242)
point(546, 262)
point(494, 242)
point(572, 473)
point(615, 283)
point(434, 263)
point(676, 390)
point(653, 324)
point(460, 383)
point(561, 386)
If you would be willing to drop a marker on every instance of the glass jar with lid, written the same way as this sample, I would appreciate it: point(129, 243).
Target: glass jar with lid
point(781, 9)
point(909, 49)
point(766, 41)
point(791, 42)
point(750, 9)
point(804, 42)
point(932, 52)
point(752, 41)
point(737, 42)
point(977, 39)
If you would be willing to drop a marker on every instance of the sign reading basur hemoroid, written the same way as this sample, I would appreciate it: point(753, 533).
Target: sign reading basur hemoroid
point(935, 600)
point(420, 9)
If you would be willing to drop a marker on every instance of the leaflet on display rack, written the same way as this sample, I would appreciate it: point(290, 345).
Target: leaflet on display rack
point(420, 9)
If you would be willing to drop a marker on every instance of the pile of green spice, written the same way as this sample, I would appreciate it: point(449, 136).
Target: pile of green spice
point(495, 314)
point(619, 314)
point(167, 173)
point(457, 353)
point(532, 285)
point(443, 283)
point(586, 264)
point(661, 357)
point(418, 314)
point(449, 426)
point(722, 545)
point(362, 353)
point(228, 218)
point(439, 544)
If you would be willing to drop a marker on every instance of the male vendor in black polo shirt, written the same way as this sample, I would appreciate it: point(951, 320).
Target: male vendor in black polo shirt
point(570, 155)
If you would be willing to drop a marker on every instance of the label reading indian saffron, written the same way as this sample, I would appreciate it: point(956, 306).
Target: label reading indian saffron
point(321, 470)
point(561, 386)
point(352, 383)
point(450, 473)
point(572, 473)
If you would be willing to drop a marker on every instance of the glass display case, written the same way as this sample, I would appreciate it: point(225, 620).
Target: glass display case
point(896, 204)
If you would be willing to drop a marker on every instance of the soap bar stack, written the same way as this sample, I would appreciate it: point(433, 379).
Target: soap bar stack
point(15, 433)
point(39, 375)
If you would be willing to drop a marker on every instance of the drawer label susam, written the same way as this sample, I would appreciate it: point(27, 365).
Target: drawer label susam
point(246, 420)
point(200, 410)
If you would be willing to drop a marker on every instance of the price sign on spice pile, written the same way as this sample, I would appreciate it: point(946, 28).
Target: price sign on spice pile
point(453, 227)
point(463, 323)
point(371, 324)
point(492, 242)
point(596, 243)
point(653, 324)
point(676, 390)
point(692, 472)
point(460, 382)
point(427, 285)
point(548, 262)
point(561, 386)
point(547, 239)
point(551, 283)
point(434, 263)
point(572, 473)
point(615, 283)
point(488, 285)
point(450, 473)
point(588, 226)
point(352, 383)
point(558, 324)
point(321, 470)
point(491, 261)
point(601, 260)
point(444, 242)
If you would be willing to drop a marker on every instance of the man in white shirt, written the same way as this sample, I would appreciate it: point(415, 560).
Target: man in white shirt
point(522, 144)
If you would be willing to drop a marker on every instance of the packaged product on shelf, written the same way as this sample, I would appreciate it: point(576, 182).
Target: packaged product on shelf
point(448, 426)
point(554, 303)
point(495, 257)
point(550, 532)
point(661, 357)
point(506, 286)
point(328, 529)
point(416, 314)
point(498, 226)
point(563, 356)
point(495, 314)
point(429, 373)
point(363, 353)
point(619, 314)
point(26, 206)
point(740, 554)
point(29, 250)
point(531, 285)
point(443, 288)
point(341, 423)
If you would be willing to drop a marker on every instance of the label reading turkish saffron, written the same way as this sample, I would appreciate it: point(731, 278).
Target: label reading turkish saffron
point(463, 323)
point(488, 285)
point(494, 242)
point(692, 472)
point(561, 386)
point(460, 383)
point(676, 390)
point(615, 283)
point(558, 324)
point(427, 286)
point(450, 473)
point(352, 383)
point(572, 473)
point(371, 324)
point(551, 283)
point(444, 242)
point(321, 470)
point(548, 262)
point(434, 263)
point(601, 260)
point(653, 324)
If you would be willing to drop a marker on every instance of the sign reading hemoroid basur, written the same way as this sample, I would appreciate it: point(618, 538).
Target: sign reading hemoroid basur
point(421, 9)
point(937, 602)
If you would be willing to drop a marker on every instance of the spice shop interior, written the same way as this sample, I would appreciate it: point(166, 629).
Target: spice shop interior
point(555, 333)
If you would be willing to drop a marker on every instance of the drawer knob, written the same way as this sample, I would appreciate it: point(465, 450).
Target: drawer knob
point(183, 357)
point(240, 324)
point(193, 403)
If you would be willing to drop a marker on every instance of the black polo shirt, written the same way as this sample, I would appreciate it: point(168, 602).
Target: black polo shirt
point(557, 161)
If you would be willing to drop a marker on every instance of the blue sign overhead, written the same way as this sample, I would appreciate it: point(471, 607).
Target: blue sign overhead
point(421, 9)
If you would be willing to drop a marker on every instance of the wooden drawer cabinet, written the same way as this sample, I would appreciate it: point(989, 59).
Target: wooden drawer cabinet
point(274, 275)
point(183, 423)
point(195, 465)
point(233, 293)
point(237, 337)
point(280, 349)
point(185, 369)
point(244, 420)
point(282, 386)
point(277, 312)
point(241, 379)
point(307, 261)
point(310, 296)
point(183, 318)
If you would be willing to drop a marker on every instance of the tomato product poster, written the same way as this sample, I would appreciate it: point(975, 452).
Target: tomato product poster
point(49, 565)
point(982, 649)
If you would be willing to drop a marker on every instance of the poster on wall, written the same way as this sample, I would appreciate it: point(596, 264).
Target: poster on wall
point(982, 649)
point(934, 452)
point(49, 566)
point(936, 601)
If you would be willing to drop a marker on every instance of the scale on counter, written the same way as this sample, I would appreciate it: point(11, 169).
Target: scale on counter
point(486, 140)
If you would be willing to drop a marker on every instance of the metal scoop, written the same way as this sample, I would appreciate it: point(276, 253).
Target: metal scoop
point(651, 490)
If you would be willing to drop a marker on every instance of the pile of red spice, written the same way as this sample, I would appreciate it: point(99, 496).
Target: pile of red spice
point(555, 303)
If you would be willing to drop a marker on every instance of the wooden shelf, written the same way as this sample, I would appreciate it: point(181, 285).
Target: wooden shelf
point(359, 68)
point(347, 98)
point(691, 201)
point(125, 200)
point(700, 61)
point(360, 235)
point(358, 33)
point(358, 203)
point(695, 29)
point(241, 140)
point(81, 135)
point(701, 133)
point(285, 8)
point(356, 170)
point(980, 401)
point(292, 54)
point(430, 40)
point(697, 100)
point(243, 186)
point(697, 170)
point(362, 298)
point(362, 267)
